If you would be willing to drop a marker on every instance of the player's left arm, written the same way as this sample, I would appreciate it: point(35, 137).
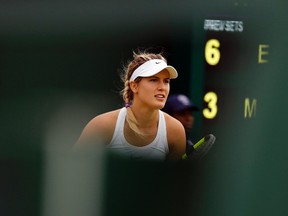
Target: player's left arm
point(176, 138)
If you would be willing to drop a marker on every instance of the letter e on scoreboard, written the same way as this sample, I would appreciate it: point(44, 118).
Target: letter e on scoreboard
point(262, 51)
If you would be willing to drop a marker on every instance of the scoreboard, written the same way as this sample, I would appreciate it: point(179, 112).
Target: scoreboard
point(231, 56)
point(238, 78)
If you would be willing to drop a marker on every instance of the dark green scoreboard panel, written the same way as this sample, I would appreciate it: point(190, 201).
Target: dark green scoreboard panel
point(233, 58)
point(238, 57)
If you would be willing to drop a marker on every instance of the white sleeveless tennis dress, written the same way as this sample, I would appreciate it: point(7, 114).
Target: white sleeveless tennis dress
point(157, 149)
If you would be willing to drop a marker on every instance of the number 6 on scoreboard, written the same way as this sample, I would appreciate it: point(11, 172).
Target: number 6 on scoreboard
point(210, 112)
point(212, 53)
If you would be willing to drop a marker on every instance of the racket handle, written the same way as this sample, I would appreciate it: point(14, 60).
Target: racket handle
point(184, 156)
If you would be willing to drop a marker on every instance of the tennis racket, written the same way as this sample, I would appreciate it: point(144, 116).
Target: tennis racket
point(201, 148)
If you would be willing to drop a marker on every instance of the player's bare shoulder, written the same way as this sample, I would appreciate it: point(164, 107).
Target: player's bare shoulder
point(105, 121)
point(175, 129)
point(172, 123)
point(100, 128)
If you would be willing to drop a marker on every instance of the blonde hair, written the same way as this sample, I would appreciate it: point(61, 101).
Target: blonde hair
point(139, 58)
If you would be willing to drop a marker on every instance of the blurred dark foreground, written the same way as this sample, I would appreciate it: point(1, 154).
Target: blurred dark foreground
point(96, 183)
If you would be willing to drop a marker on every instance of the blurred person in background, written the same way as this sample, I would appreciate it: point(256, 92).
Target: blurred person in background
point(182, 108)
point(140, 130)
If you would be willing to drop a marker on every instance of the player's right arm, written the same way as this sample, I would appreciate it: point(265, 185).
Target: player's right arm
point(98, 131)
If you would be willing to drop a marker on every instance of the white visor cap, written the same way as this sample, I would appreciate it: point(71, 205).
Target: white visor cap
point(153, 67)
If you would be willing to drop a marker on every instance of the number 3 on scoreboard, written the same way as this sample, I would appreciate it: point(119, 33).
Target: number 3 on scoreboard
point(210, 112)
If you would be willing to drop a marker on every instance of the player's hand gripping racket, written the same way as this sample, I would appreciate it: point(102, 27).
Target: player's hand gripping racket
point(201, 148)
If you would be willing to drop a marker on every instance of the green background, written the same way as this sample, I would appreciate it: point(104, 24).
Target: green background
point(59, 67)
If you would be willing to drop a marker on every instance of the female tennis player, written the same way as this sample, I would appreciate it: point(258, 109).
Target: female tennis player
point(140, 130)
